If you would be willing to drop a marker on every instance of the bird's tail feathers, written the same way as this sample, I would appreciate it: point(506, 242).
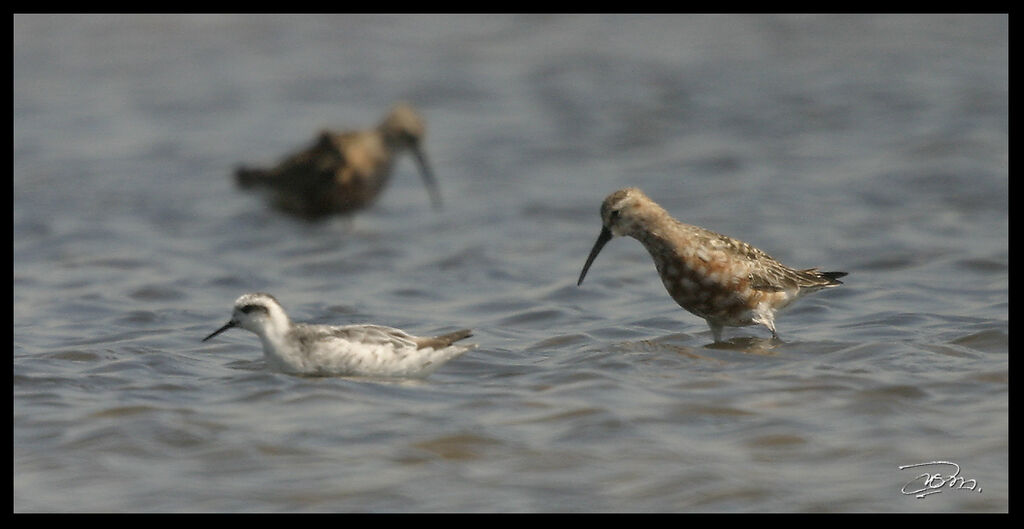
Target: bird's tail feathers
point(833, 277)
point(444, 340)
point(249, 177)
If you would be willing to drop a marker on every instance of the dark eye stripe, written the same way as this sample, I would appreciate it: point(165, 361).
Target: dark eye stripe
point(250, 308)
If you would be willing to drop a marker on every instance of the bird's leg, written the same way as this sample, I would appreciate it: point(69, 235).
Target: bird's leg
point(716, 331)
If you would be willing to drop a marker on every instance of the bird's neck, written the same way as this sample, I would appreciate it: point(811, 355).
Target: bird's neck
point(276, 330)
point(652, 227)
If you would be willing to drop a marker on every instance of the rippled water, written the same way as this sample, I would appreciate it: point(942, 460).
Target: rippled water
point(877, 145)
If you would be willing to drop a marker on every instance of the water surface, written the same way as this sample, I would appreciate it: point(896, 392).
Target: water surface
point(877, 145)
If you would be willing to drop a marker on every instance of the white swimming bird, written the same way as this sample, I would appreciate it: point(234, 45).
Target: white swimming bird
point(324, 350)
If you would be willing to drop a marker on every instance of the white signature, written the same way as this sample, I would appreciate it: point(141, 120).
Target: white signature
point(927, 483)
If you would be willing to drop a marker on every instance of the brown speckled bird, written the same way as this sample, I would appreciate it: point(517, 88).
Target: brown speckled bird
point(725, 281)
point(344, 172)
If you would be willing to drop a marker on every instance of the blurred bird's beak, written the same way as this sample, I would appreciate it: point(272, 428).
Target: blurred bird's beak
point(428, 176)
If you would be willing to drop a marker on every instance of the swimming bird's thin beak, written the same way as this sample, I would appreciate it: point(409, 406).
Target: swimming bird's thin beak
point(226, 326)
point(606, 235)
point(428, 176)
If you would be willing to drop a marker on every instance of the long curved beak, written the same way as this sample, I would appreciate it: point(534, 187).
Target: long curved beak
point(428, 176)
point(602, 239)
point(226, 326)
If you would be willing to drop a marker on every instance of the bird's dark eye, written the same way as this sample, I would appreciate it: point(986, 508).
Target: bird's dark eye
point(614, 215)
point(408, 137)
point(252, 308)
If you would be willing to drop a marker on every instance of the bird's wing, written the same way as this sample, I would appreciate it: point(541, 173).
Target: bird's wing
point(374, 334)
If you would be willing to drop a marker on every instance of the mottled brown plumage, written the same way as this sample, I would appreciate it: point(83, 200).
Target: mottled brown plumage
point(341, 173)
point(723, 280)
